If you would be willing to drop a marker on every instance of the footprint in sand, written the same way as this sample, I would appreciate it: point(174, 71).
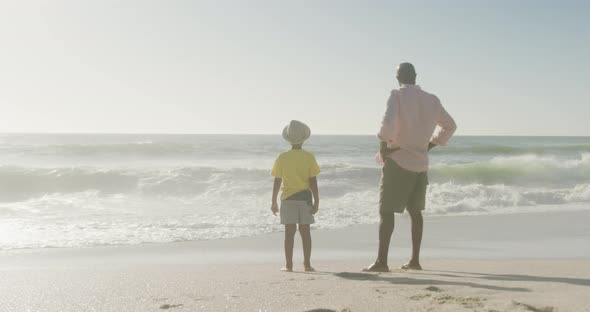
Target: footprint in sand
point(169, 306)
point(529, 307)
point(420, 296)
point(467, 302)
point(433, 288)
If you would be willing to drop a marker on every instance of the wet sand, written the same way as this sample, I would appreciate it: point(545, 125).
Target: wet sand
point(526, 262)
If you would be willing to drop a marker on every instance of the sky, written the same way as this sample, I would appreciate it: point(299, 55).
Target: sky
point(499, 67)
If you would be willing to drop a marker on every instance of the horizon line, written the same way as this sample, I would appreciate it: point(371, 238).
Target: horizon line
point(261, 134)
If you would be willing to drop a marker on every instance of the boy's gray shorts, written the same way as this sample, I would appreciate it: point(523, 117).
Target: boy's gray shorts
point(296, 212)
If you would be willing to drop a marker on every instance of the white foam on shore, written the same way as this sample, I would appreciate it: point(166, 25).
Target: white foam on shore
point(87, 190)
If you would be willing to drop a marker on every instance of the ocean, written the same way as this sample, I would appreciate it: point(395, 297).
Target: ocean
point(81, 190)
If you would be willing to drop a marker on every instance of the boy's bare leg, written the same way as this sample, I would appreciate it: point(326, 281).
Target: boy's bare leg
point(417, 229)
point(290, 230)
point(305, 232)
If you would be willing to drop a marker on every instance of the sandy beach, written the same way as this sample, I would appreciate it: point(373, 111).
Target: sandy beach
point(521, 262)
point(158, 155)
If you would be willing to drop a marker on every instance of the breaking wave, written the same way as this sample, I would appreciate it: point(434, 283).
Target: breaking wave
point(146, 189)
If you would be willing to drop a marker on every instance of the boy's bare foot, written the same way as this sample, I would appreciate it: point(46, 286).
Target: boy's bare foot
point(377, 267)
point(308, 268)
point(411, 266)
point(287, 269)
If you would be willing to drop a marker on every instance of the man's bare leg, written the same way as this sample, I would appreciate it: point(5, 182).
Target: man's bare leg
point(290, 230)
point(386, 226)
point(305, 232)
point(417, 229)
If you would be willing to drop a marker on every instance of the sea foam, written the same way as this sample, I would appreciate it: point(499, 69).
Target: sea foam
point(87, 190)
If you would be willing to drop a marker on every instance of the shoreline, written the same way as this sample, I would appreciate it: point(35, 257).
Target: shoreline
point(498, 236)
point(472, 263)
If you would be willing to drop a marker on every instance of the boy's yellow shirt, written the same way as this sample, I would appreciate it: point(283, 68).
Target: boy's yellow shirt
point(295, 167)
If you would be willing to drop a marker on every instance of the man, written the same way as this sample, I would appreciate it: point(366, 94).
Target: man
point(406, 137)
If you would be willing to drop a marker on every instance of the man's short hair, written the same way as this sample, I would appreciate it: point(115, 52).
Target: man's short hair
point(406, 73)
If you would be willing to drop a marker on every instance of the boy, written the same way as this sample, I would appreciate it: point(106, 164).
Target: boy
point(296, 169)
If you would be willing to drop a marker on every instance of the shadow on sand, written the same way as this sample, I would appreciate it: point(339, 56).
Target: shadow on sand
point(419, 281)
point(512, 277)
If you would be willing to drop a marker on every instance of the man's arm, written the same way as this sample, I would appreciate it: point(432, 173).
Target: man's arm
point(388, 129)
point(275, 194)
point(447, 129)
point(313, 185)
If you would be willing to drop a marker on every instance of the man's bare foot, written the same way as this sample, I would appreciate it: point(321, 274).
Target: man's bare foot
point(308, 268)
point(411, 266)
point(377, 267)
point(288, 268)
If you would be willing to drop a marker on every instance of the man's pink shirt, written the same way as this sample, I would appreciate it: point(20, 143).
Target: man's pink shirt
point(409, 123)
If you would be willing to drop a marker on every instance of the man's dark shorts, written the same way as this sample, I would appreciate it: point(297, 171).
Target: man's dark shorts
point(401, 188)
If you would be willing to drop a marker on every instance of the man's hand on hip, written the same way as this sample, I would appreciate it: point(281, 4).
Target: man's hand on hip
point(386, 151)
